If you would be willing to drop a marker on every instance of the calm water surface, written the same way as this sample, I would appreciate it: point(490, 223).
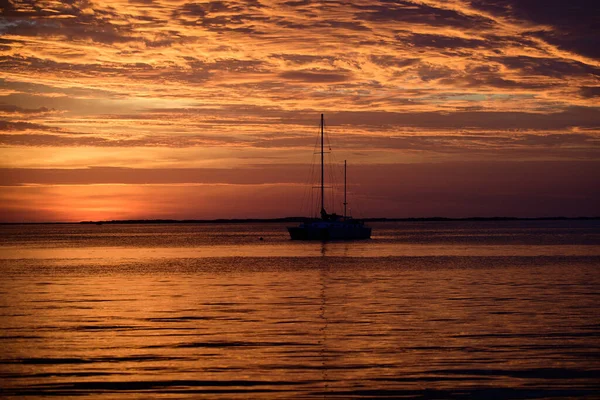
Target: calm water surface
point(423, 310)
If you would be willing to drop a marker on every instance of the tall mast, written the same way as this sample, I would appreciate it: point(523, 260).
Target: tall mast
point(323, 213)
point(345, 202)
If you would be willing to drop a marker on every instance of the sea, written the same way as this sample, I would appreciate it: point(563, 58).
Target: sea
point(425, 310)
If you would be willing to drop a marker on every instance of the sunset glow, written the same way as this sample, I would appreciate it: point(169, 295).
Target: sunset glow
point(143, 109)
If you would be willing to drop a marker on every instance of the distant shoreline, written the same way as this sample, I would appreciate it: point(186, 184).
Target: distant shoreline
point(299, 219)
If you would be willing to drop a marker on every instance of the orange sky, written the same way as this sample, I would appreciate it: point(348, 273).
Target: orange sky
point(178, 109)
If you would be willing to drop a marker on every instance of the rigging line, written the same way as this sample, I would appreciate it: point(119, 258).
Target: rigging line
point(329, 205)
point(333, 174)
point(358, 208)
point(313, 206)
point(311, 179)
point(305, 193)
point(307, 204)
point(353, 200)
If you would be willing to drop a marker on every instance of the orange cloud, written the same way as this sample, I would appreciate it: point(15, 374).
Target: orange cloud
point(233, 84)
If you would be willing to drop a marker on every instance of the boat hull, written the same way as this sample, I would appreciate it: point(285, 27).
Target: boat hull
point(348, 232)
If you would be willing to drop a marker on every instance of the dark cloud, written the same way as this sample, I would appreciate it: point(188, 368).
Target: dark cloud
point(23, 126)
point(512, 172)
point(202, 9)
point(43, 140)
point(393, 61)
point(12, 109)
point(140, 71)
point(499, 145)
point(555, 68)
point(229, 65)
point(220, 16)
point(585, 117)
point(73, 21)
point(67, 139)
point(301, 59)
point(590, 91)
point(317, 23)
point(554, 140)
point(316, 76)
point(489, 146)
point(298, 3)
point(442, 42)
point(39, 65)
point(475, 76)
point(572, 22)
point(350, 25)
point(579, 42)
point(479, 76)
point(494, 81)
point(30, 89)
point(200, 71)
point(66, 19)
point(6, 45)
point(116, 175)
point(412, 13)
point(431, 72)
point(24, 8)
point(500, 41)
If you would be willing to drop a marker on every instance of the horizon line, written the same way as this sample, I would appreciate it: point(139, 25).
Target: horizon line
point(298, 219)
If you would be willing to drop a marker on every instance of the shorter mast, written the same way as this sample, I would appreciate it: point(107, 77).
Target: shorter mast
point(323, 212)
point(345, 202)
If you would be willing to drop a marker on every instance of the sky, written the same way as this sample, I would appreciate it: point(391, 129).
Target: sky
point(145, 109)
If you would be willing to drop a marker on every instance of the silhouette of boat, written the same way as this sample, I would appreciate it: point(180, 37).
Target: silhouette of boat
point(330, 226)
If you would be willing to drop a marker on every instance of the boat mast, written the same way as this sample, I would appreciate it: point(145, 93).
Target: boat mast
point(345, 202)
point(323, 212)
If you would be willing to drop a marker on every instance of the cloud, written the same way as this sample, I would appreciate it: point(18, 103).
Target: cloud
point(301, 59)
point(68, 140)
point(12, 109)
point(316, 76)
point(570, 23)
point(388, 60)
point(204, 83)
point(23, 126)
point(220, 16)
point(443, 42)
point(587, 117)
point(590, 91)
point(549, 67)
point(408, 12)
point(66, 19)
point(252, 175)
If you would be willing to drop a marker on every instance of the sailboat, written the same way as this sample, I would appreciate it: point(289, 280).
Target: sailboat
point(330, 226)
